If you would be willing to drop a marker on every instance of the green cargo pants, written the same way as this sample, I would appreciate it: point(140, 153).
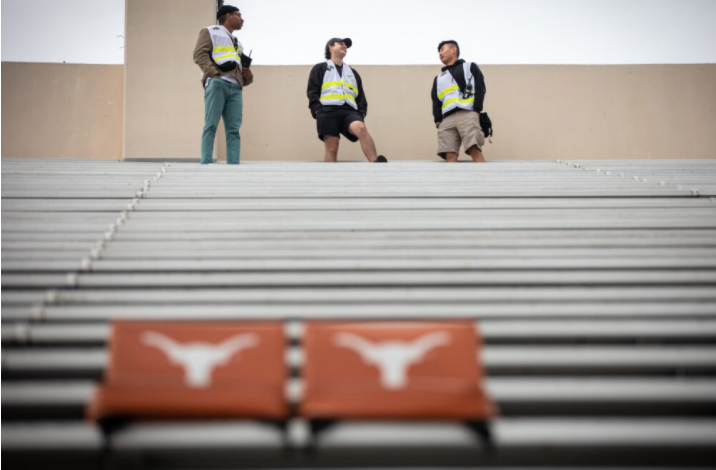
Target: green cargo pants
point(222, 98)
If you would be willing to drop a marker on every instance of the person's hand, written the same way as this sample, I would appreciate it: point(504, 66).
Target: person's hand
point(247, 73)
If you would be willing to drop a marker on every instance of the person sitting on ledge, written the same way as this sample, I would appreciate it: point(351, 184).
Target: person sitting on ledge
point(338, 103)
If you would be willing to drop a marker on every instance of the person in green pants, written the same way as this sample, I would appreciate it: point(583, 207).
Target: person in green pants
point(218, 53)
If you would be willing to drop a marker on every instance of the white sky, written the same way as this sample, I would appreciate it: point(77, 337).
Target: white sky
point(395, 31)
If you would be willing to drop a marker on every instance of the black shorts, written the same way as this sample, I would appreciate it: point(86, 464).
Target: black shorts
point(334, 120)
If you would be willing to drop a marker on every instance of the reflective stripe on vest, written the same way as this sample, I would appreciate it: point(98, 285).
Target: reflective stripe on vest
point(224, 50)
point(337, 91)
point(449, 92)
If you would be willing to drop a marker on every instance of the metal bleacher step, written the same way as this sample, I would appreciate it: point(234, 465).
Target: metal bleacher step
point(491, 331)
point(356, 277)
point(374, 311)
point(519, 441)
point(592, 284)
point(365, 264)
point(360, 295)
point(515, 396)
point(508, 360)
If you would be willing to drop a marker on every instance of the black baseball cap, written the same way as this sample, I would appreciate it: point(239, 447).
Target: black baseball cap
point(225, 10)
point(348, 41)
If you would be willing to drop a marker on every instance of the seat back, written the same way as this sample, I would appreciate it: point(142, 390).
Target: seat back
point(194, 370)
point(396, 370)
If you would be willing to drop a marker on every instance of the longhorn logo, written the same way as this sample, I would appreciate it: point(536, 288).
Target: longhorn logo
point(393, 357)
point(199, 359)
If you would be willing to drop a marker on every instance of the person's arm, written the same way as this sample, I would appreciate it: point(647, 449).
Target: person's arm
point(437, 104)
point(361, 100)
point(313, 91)
point(202, 54)
point(480, 88)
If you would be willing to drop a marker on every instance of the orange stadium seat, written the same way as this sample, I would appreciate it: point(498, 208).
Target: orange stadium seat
point(396, 370)
point(185, 370)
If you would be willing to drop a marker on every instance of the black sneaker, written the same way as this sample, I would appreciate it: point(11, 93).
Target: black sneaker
point(381, 159)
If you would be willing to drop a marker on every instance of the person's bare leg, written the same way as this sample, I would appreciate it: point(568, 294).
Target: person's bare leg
point(359, 130)
point(331, 143)
point(451, 157)
point(476, 154)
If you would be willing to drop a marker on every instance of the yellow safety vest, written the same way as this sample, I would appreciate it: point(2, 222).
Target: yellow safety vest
point(224, 50)
point(337, 90)
point(449, 92)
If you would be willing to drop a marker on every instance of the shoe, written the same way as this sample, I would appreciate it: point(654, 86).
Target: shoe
point(381, 159)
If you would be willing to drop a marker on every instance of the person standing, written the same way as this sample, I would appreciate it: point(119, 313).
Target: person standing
point(458, 95)
point(338, 103)
point(218, 54)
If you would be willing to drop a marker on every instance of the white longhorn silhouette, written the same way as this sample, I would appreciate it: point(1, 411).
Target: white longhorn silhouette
point(199, 359)
point(393, 357)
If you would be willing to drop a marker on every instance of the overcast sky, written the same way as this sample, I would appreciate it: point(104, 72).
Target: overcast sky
point(395, 31)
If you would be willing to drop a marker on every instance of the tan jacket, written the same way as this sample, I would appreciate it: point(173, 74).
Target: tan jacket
point(202, 58)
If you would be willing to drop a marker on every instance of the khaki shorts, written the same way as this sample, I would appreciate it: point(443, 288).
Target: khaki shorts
point(461, 126)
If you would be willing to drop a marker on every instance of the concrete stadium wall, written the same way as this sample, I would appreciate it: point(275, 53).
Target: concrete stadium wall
point(62, 110)
point(164, 111)
point(539, 112)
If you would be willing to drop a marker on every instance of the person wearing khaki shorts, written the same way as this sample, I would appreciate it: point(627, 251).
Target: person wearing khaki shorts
point(458, 95)
point(462, 126)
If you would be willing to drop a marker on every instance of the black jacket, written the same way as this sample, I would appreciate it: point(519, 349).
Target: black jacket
point(458, 74)
point(315, 81)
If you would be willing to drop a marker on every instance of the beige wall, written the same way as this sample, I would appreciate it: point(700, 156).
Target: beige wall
point(62, 110)
point(164, 110)
point(539, 112)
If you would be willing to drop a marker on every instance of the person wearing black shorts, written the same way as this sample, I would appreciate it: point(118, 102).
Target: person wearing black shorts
point(338, 103)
